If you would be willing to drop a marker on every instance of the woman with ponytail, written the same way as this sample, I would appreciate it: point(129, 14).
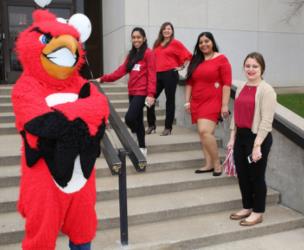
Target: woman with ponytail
point(140, 65)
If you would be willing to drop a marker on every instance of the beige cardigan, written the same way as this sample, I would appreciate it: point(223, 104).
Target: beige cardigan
point(265, 104)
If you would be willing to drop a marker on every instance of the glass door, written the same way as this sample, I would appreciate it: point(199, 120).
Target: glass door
point(2, 76)
point(17, 17)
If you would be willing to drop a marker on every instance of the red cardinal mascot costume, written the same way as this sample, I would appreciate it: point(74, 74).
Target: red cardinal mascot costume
point(61, 118)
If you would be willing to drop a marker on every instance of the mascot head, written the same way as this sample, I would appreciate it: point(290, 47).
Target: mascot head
point(50, 50)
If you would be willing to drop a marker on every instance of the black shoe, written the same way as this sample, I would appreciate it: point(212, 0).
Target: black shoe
point(151, 130)
point(198, 171)
point(167, 131)
point(217, 173)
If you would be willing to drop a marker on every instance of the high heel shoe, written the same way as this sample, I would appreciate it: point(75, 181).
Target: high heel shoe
point(151, 130)
point(167, 131)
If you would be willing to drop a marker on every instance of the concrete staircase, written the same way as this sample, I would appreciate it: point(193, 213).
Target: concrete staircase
point(169, 206)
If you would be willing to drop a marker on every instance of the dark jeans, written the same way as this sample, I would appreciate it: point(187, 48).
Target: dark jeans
point(134, 118)
point(251, 176)
point(86, 246)
point(165, 80)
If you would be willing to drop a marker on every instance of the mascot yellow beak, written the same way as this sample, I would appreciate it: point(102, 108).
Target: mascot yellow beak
point(59, 56)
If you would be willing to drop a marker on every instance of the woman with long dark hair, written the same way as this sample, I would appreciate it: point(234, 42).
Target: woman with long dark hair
point(171, 55)
point(140, 64)
point(251, 139)
point(207, 96)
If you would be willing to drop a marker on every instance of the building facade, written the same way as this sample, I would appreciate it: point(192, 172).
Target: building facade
point(273, 27)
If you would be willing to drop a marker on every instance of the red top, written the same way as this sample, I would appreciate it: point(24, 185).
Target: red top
point(172, 56)
point(244, 107)
point(142, 78)
point(207, 83)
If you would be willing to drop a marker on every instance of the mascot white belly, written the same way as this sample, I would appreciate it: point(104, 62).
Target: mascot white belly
point(78, 180)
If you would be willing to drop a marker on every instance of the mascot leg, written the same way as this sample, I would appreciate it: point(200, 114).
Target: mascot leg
point(44, 209)
point(80, 223)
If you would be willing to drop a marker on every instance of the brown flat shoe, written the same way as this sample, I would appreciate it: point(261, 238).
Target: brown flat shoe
point(251, 223)
point(235, 216)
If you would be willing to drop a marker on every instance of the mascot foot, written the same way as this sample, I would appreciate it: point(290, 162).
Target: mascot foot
point(86, 246)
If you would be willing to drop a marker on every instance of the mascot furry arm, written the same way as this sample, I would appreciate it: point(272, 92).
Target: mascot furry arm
point(60, 116)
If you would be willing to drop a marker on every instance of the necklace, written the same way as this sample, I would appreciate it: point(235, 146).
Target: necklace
point(209, 56)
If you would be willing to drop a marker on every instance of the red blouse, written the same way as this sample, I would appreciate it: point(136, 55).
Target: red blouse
point(142, 78)
point(244, 107)
point(172, 56)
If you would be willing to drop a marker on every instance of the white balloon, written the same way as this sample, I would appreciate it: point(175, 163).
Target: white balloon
point(43, 3)
point(62, 20)
point(83, 24)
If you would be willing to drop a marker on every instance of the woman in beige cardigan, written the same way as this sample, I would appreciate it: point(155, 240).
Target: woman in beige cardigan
point(251, 139)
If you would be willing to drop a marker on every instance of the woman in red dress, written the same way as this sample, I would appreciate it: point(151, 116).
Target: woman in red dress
point(170, 55)
point(207, 96)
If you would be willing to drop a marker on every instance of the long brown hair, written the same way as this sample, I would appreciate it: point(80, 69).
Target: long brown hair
point(161, 38)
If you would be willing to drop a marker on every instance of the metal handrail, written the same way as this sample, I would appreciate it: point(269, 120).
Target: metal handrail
point(136, 156)
point(116, 161)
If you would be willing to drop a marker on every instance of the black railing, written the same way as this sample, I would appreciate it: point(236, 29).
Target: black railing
point(116, 160)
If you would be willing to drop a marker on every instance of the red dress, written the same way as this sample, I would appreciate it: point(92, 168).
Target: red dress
point(207, 83)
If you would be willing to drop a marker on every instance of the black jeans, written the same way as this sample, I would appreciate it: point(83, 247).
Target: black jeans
point(134, 118)
point(251, 176)
point(165, 80)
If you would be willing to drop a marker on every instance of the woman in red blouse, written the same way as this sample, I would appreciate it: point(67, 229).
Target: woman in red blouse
point(251, 139)
point(171, 55)
point(207, 96)
point(140, 64)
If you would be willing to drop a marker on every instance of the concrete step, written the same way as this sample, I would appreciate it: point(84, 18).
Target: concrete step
point(6, 107)
point(9, 117)
point(139, 184)
point(291, 239)
point(5, 98)
point(5, 89)
point(9, 128)
point(118, 87)
point(118, 95)
point(10, 175)
point(193, 232)
point(122, 103)
point(182, 139)
point(153, 208)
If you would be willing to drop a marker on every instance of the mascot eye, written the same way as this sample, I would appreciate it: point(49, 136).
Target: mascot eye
point(45, 38)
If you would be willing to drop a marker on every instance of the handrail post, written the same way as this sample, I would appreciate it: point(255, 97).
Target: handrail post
point(123, 206)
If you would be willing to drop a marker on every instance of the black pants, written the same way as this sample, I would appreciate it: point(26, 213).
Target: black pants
point(165, 80)
point(251, 176)
point(134, 118)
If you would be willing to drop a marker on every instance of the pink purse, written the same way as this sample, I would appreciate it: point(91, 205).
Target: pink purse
point(228, 164)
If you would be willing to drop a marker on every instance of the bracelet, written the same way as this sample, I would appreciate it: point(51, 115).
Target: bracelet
point(257, 145)
point(186, 104)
